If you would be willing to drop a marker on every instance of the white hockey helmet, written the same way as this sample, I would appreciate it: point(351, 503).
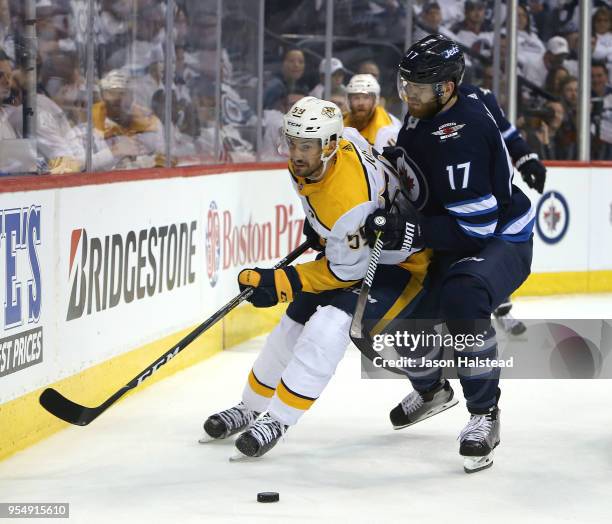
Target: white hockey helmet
point(364, 83)
point(311, 117)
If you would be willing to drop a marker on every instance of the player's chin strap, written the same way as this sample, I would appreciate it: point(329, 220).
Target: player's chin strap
point(439, 92)
point(325, 158)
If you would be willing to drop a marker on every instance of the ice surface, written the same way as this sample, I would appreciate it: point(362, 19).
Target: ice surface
point(141, 462)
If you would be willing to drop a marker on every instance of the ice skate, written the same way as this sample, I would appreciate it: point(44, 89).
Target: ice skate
point(420, 406)
point(259, 438)
point(478, 440)
point(227, 423)
point(507, 322)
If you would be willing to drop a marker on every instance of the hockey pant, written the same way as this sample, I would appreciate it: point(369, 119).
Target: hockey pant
point(463, 292)
point(296, 364)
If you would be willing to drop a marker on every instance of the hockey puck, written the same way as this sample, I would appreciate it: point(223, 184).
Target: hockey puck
point(268, 496)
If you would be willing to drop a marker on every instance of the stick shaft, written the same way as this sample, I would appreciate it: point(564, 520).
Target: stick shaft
point(366, 285)
point(65, 409)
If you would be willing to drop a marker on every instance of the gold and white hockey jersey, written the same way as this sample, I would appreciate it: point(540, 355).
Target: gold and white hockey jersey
point(382, 129)
point(355, 185)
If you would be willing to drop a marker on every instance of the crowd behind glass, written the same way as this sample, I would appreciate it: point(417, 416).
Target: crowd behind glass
point(120, 110)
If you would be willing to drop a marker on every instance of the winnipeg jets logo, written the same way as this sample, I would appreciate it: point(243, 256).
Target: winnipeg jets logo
point(449, 130)
point(552, 217)
point(450, 52)
point(412, 181)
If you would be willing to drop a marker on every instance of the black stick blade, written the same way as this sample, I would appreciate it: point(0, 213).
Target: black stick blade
point(63, 408)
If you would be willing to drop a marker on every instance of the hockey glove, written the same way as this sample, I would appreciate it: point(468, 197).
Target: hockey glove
point(391, 154)
point(532, 171)
point(314, 240)
point(271, 286)
point(399, 232)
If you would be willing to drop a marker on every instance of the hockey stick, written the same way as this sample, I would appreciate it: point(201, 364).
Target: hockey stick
point(69, 411)
point(356, 324)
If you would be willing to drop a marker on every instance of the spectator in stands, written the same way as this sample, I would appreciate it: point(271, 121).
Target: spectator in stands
point(545, 18)
point(289, 79)
point(487, 83)
point(571, 34)
point(541, 131)
point(135, 53)
point(557, 50)
point(369, 67)
point(474, 26)
point(145, 86)
point(181, 145)
point(553, 80)
point(117, 116)
point(113, 22)
point(529, 47)
point(6, 76)
point(602, 31)
point(218, 141)
point(60, 148)
point(430, 21)
point(337, 77)
point(568, 135)
point(452, 11)
point(60, 77)
point(181, 25)
point(599, 80)
point(554, 123)
point(338, 97)
point(54, 27)
point(569, 92)
point(7, 42)
point(601, 112)
point(272, 127)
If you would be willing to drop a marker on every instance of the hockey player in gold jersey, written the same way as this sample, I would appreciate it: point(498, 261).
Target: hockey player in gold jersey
point(373, 122)
point(340, 183)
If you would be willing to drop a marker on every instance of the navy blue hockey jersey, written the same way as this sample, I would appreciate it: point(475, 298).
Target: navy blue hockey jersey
point(459, 175)
point(517, 146)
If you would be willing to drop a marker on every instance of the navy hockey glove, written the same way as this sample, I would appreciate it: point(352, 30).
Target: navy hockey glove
point(271, 285)
point(392, 153)
point(399, 232)
point(314, 240)
point(532, 171)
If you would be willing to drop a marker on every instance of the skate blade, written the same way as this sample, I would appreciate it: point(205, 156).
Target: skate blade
point(431, 413)
point(241, 457)
point(206, 438)
point(475, 464)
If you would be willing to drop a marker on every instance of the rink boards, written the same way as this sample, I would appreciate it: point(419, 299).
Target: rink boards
point(101, 274)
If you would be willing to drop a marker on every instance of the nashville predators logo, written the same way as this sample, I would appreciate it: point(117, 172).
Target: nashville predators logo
point(328, 111)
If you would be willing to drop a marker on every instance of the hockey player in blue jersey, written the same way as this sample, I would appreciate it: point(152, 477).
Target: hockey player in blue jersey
point(531, 169)
point(457, 172)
